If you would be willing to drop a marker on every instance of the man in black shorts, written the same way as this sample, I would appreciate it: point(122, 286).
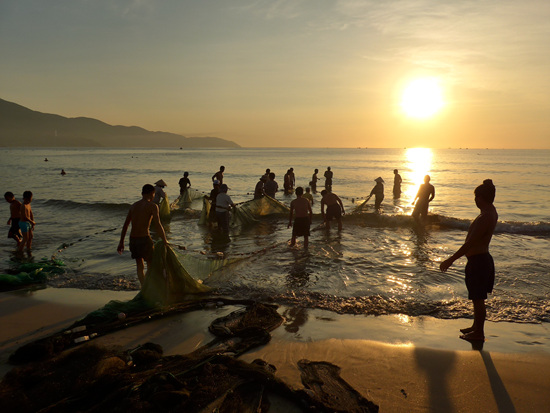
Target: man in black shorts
point(301, 208)
point(480, 269)
point(141, 214)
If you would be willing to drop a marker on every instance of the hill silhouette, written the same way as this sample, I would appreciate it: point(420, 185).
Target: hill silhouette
point(20, 126)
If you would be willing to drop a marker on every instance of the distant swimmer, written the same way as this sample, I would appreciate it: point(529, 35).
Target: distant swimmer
point(26, 222)
point(271, 186)
point(396, 184)
point(259, 189)
point(308, 195)
point(15, 216)
point(328, 179)
point(184, 182)
point(45, 159)
point(425, 195)
point(378, 192)
point(223, 206)
point(480, 268)
point(63, 172)
point(140, 215)
point(313, 182)
point(301, 209)
point(219, 175)
point(159, 191)
point(335, 208)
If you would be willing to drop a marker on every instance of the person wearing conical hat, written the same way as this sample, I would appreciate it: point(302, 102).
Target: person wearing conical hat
point(159, 191)
point(378, 192)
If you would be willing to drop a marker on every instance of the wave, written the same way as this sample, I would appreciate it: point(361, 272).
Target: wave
point(371, 219)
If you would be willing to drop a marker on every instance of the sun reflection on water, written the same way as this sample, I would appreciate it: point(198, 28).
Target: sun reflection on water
point(419, 162)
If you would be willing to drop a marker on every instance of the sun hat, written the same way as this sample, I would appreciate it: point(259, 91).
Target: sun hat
point(160, 182)
point(379, 179)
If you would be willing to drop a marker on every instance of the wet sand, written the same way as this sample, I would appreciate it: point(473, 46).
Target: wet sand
point(409, 364)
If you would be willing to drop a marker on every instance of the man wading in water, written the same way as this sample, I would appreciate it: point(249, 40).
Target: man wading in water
point(140, 216)
point(480, 269)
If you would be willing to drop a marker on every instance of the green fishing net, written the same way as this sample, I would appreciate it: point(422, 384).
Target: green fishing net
point(164, 210)
point(186, 198)
point(31, 273)
point(248, 212)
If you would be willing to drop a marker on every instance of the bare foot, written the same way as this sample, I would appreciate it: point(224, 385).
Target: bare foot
point(466, 330)
point(473, 337)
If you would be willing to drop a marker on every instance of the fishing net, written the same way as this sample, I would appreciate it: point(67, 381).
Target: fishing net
point(186, 198)
point(164, 210)
point(246, 213)
point(31, 273)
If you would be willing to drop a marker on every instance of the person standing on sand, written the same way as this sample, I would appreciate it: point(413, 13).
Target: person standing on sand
point(140, 215)
point(302, 208)
point(26, 222)
point(425, 195)
point(335, 208)
point(328, 179)
point(219, 175)
point(480, 269)
point(396, 184)
point(15, 215)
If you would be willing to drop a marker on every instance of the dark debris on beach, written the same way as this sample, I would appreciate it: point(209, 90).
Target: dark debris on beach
point(91, 378)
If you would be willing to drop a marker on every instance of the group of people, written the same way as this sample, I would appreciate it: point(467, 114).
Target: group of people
point(21, 220)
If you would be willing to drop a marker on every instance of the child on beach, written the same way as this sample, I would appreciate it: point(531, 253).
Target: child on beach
point(480, 269)
point(140, 216)
point(15, 214)
point(302, 209)
point(26, 222)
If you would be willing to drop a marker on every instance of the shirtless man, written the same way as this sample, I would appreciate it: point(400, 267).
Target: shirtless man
point(302, 208)
point(15, 215)
point(26, 222)
point(335, 208)
point(328, 179)
point(425, 195)
point(140, 216)
point(219, 175)
point(480, 269)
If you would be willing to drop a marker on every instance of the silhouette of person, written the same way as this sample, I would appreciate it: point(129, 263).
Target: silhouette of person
point(328, 179)
point(425, 195)
point(396, 184)
point(480, 269)
point(378, 192)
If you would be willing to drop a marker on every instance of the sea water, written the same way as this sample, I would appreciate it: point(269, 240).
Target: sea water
point(378, 264)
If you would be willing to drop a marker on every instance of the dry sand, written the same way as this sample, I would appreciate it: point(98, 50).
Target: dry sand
point(403, 364)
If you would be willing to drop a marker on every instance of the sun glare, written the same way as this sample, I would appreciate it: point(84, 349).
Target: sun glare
point(419, 162)
point(422, 98)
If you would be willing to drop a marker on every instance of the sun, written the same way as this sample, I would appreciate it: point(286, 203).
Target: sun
point(422, 98)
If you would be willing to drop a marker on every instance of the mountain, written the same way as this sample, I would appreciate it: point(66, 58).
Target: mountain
point(20, 126)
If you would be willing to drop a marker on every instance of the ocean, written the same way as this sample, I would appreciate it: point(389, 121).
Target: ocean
point(379, 263)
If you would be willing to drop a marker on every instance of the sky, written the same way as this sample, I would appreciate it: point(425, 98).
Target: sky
point(287, 73)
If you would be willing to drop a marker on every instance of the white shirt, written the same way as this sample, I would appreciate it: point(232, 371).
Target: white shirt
point(222, 202)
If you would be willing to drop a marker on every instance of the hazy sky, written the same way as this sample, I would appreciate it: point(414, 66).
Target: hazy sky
point(295, 73)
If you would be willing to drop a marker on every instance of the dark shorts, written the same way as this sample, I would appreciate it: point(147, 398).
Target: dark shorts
point(223, 220)
point(15, 231)
point(300, 227)
point(333, 211)
point(480, 276)
point(141, 247)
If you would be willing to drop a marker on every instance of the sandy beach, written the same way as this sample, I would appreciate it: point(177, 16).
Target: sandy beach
point(403, 364)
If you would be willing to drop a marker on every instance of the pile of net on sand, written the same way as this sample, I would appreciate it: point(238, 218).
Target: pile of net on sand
point(26, 273)
point(211, 378)
point(248, 212)
point(186, 199)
